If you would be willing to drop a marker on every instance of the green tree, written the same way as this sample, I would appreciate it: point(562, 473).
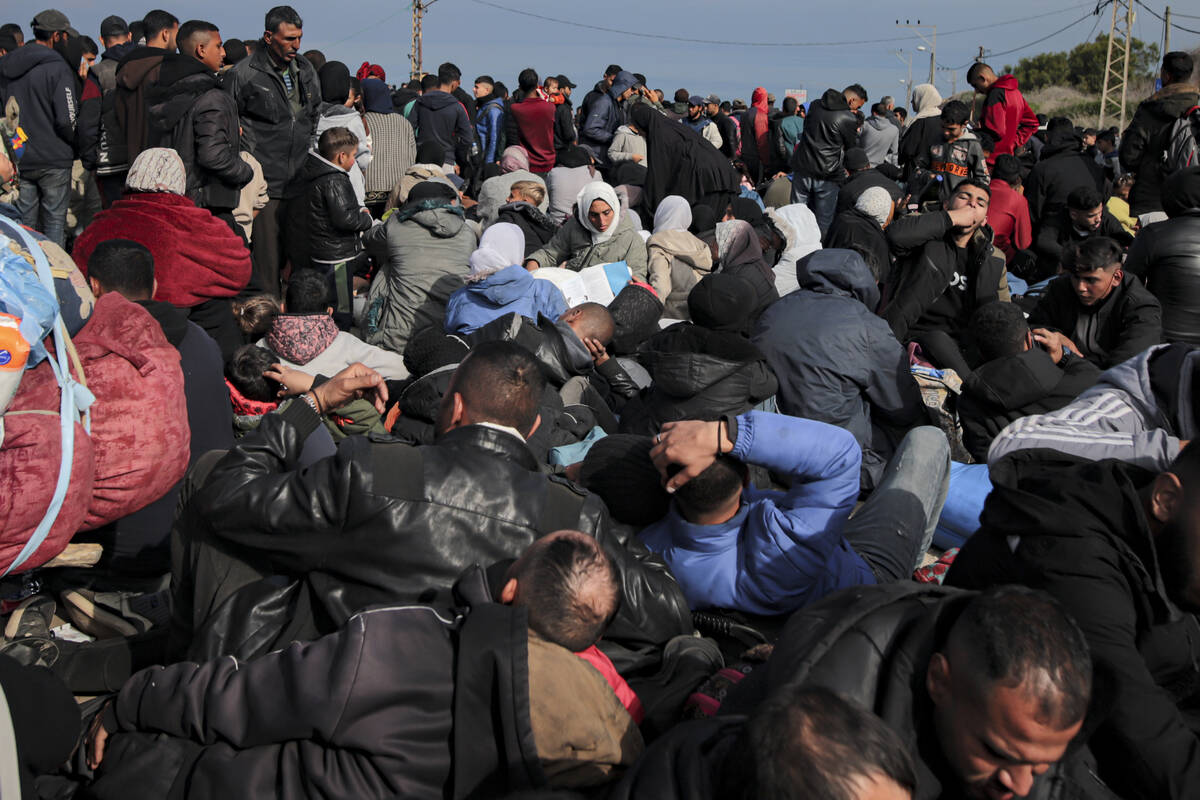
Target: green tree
point(1083, 67)
point(1044, 69)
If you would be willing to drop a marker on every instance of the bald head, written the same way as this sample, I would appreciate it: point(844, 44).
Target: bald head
point(590, 321)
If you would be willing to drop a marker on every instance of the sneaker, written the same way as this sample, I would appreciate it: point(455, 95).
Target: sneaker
point(32, 651)
point(105, 615)
point(31, 618)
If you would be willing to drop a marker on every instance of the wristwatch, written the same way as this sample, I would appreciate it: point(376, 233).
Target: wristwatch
point(311, 400)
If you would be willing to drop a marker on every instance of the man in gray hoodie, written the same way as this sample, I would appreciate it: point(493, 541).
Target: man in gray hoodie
point(879, 137)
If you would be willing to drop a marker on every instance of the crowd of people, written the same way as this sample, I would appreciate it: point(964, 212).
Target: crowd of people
point(427, 442)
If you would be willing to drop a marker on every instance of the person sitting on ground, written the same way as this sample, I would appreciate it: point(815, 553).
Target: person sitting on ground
point(738, 251)
point(862, 177)
point(677, 260)
point(863, 227)
point(1118, 203)
point(1167, 256)
point(806, 741)
point(989, 690)
point(259, 727)
point(497, 190)
point(1019, 375)
point(255, 314)
point(1096, 310)
point(1083, 217)
point(1061, 169)
point(1008, 211)
point(1142, 411)
point(394, 508)
point(304, 336)
point(525, 208)
point(598, 233)
point(949, 268)
point(732, 546)
point(956, 158)
point(1115, 544)
point(423, 169)
point(498, 285)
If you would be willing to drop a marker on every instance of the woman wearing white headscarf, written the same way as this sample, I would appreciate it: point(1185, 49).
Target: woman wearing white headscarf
point(799, 226)
point(596, 234)
point(676, 260)
point(499, 285)
point(924, 128)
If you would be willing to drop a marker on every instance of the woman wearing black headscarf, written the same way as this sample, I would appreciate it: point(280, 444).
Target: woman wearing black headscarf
point(681, 162)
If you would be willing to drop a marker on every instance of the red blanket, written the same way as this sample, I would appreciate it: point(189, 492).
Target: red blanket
point(196, 256)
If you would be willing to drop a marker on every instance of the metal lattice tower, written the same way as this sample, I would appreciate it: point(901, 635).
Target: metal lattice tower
point(1116, 64)
point(414, 55)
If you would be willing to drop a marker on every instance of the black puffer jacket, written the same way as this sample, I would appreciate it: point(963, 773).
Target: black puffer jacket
point(1011, 387)
point(325, 215)
point(1167, 256)
point(383, 521)
point(698, 374)
point(830, 129)
point(684, 763)
point(1083, 536)
point(537, 227)
point(192, 115)
point(273, 133)
point(1144, 140)
point(1062, 169)
point(1057, 236)
point(1124, 324)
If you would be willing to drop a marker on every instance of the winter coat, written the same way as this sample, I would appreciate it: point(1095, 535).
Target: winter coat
point(412, 518)
point(1138, 412)
point(47, 91)
point(275, 134)
point(440, 118)
point(859, 182)
point(1007, 116)
point(538, 228)
point(564, 127)
point(325, 218)
point(1080, 532)
point(1011, 387)
point(1062, 169)
point(1057, 238)
point(534, 118)
point(196, 256)
point(393, 151)
point(625, 145)
point(788, 133)
point(495, 191)
point(706, 128)
point(88, 123)
point(137, 75)
point(697, 374)
point(855, 227)
point(837, 361)
point(920, 135)
point(881, 139)
point(684, 763)
point(1120, 327)
point(604, 116)
point(1144, 141)
point(676, 261)
point(781, 551)
point(385, 724)
point(1008, 217)
point(313, 344)
point(425, 260)
point(573, 248)
point(830, 129)
point(955, 162)
point(336, 115)
point(489, 126)
point(105, 69)
point(191, 114)
point(1167, 256)
point(511, 290)
point(928, 265)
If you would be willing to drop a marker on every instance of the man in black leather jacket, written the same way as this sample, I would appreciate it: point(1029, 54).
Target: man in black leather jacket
point(830, 129)
point(383, 521)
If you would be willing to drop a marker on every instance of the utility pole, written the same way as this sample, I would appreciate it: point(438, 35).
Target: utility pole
point(979, 58)
point(414, 56)
point(1116, 63)
point(1167, 31)
point(906, 59)
point(932, 42)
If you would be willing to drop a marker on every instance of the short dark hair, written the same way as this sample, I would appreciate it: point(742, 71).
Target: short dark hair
point(501, 382)
point(8, 42)
point(12, 29)
point(807, 742)
point(555, 582)
point(857, 89)
point(976, 70)
point(137, 30)
point(89, 45)
point(1107, 136)
point(901, 112)
point(1013, 635)
point(1178, 66)
point(790, 104)
point(279, 15)
point(334, 141)
point(682, 95)
point(527, 81)
point(713, 487)
point(955, 112)
point(316, 58)
point(307, 292)
point(1093, 253)
point(448, 73)
point(430, 82)
point(157, 21)
point(245, 370)
point(987, 190)
point(123, 266)
point(193, 29)
point(597, 321)
point(877, 108)
point(1084, 198)
point(999, 329)
point(612, 69)
point(987, 141)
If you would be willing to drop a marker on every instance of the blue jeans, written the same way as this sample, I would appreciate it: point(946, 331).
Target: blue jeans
point(43, 200)
point(894, 527)
point(818, 195)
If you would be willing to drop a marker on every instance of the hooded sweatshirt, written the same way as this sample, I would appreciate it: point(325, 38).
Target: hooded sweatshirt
point(137, 73)
point(881, 139)
point(45, 88)
point(440, 118)
point(1007, 117)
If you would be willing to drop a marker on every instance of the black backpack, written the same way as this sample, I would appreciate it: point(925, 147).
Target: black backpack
point(1183, 143)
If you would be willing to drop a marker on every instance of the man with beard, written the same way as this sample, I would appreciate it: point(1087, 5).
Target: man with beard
point(1119, 547)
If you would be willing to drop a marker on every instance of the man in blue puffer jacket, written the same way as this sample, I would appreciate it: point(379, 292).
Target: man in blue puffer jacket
point(605, 116)
point(733, 546)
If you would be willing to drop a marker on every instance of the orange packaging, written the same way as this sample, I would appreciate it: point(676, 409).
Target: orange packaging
point(14, 350)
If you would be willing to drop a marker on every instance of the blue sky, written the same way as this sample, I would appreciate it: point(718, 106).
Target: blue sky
point(481, 38)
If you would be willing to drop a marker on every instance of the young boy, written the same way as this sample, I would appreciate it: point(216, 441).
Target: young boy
point(959, 156)
point(329, 219)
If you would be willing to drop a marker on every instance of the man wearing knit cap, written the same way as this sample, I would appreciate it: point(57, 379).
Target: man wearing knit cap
point(701, 124)
point(861, 228)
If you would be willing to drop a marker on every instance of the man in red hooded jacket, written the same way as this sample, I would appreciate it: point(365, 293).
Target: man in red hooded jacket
point(1005, 113)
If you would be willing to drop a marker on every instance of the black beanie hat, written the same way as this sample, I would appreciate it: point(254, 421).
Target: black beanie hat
point(335, 82)
point(618, 469)
point(704, 219)
point(432, 189)
point(636, 311)
point(721, 302)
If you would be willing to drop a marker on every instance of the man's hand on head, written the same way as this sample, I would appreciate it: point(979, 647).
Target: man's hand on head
point(691, 444)
point(354, 382)
point(1054, 342)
